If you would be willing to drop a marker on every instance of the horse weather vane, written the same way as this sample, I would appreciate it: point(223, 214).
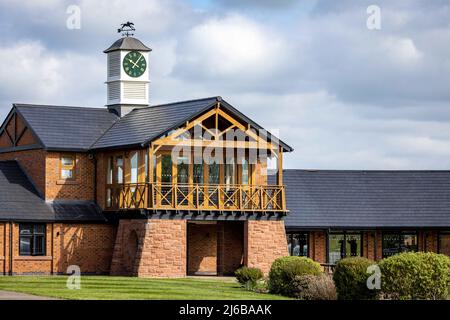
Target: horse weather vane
point(126, 29)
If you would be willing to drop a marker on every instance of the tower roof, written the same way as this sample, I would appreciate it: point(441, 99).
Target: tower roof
point(127, 43)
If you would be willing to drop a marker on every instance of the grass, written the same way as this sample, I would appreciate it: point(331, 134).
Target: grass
point(124, 288)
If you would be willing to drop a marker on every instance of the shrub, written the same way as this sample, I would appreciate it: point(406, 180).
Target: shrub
point(285, 269)
point(309, 287)
point(415, 276)
point(350, 279)
point(248, 276)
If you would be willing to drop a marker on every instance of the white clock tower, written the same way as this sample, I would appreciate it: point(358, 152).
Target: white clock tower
point(128, 75)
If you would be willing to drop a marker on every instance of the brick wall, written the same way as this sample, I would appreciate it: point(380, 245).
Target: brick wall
point(33, 162)
point(81, 188)
point(43, 168)
point(318, 246)
point(202, 248)
point(160, 250)
point(230, 242)
point(87, 245)
point(90, 246)
point(264, 241)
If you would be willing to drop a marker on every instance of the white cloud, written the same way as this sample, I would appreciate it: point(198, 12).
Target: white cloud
point(31, 73)
point(232, 46)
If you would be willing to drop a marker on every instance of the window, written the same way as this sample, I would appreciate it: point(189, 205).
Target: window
point(444, 243)
point(67, 167)
point(298, 244)
point(245, 171)
point(31, 239)
point(134, 168)
point(396, 242)
point(109, 175)
point(342, 245)
point(119, 172)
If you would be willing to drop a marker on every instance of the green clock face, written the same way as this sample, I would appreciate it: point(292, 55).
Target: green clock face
point(134, 64)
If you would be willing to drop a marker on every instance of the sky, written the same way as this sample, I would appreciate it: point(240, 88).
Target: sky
point(343, 95)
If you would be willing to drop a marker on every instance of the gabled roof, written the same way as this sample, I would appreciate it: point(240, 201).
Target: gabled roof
point(66, 128)
point(143, 125)
point(360, 199)
point(19, 201)
point(80, 129)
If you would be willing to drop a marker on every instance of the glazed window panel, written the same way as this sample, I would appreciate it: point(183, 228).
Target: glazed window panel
point(134, 167)
point(67, 167)
point(119, 169)
point(342, 245)
point(109, 174)
point(166, 169)
point(183, 170)
point(397, 242)
point(32, 239)
point(298, 244)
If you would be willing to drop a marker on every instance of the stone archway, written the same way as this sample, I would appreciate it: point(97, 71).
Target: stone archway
point(132, 245)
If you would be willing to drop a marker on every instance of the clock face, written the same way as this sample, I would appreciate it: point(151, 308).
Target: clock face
point(134, 64)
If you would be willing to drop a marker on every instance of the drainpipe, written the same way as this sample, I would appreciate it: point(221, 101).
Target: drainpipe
point(11, 248)
point(94, 158)
point(375, 247)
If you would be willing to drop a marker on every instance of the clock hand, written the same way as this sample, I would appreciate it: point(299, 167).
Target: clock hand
point(134, 64)
point(138, 59)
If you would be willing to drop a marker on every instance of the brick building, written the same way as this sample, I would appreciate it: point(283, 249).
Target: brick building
point(191, 187)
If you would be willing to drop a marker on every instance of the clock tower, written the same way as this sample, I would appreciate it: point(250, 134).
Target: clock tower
point(128, 76)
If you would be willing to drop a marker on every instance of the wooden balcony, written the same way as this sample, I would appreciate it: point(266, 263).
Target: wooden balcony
point(158, 196)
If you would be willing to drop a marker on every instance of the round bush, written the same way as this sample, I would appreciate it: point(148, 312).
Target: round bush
point(350, 278)
point(415, 275)
point(248, 276)
point(309, 287)
point(285, 269)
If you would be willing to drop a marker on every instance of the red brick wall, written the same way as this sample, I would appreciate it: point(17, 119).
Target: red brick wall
point(87, 245)
point(161, 248)
point(43, 168)
point(230, 241)
point(318, 246)
point(264, 241)
point(33, 162)
point(81, 188)
point(202, 248)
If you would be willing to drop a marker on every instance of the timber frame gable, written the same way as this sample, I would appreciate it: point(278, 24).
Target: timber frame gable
point(16, 134)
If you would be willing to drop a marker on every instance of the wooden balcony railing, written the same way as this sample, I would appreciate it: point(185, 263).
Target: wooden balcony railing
point(267, 198)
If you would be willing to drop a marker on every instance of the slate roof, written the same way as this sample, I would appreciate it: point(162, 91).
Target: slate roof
point(146, 124)
point(127, 43)
point(359, 199)
point(19, 201)
point(71, 128)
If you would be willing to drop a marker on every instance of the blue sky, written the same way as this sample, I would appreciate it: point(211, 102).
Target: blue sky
point(344, 96)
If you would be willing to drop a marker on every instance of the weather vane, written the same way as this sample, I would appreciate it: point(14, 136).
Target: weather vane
point(126, 29)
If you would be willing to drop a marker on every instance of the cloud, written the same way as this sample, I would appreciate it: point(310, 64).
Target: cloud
point(229, 47)
point(343, 96)
point(33, 74)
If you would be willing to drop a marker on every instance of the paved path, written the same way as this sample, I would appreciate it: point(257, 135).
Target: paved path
point(9, 295)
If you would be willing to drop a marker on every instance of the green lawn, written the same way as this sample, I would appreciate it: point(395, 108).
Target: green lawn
point(97, 287)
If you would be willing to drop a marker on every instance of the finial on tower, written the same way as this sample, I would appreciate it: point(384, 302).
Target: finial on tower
point(126, 28)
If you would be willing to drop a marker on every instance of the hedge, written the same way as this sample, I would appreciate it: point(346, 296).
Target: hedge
point(415, 275)
point(350, 278)
point(285, 269)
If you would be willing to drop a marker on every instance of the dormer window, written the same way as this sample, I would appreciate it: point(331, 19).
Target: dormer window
point(68, 167)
